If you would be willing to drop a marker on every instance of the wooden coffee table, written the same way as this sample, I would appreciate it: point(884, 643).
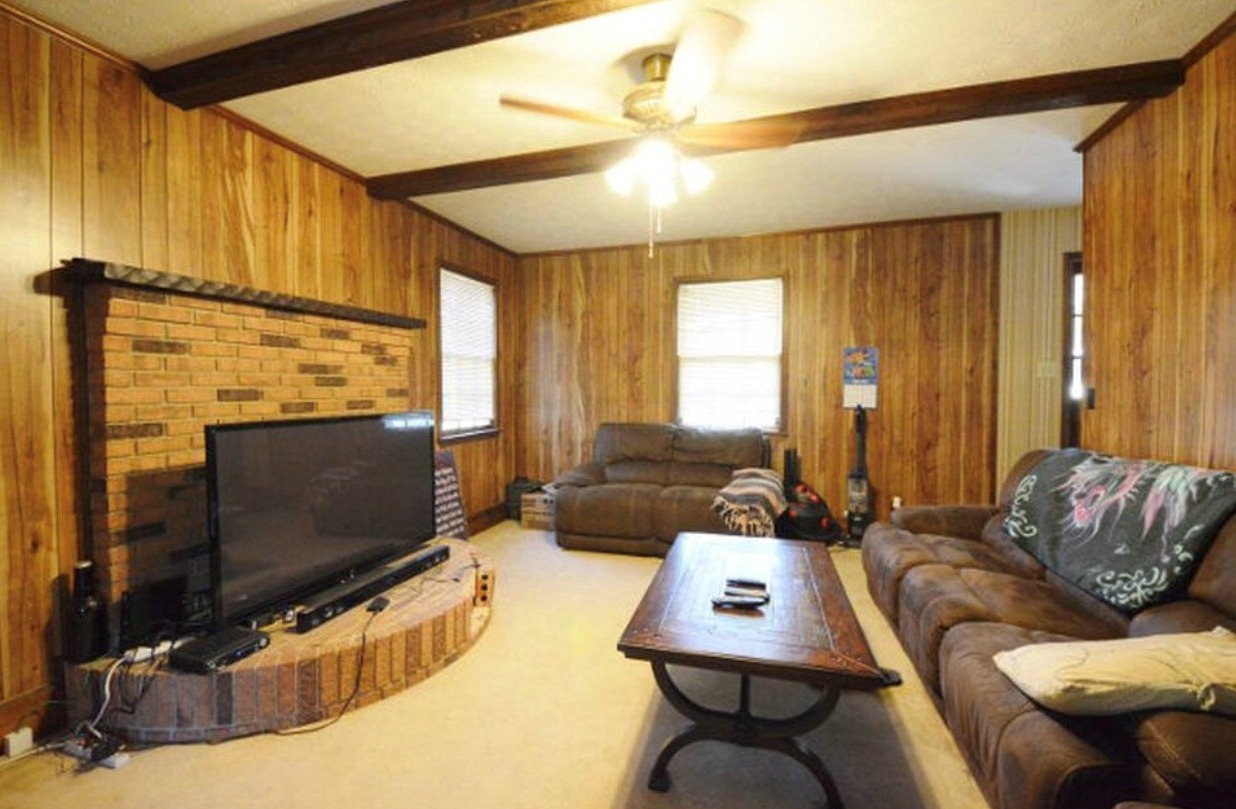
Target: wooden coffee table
point(806, 633)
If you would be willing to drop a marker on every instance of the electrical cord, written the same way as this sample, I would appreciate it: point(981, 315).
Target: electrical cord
point(133, 688)
point(91, 726)
point(377, 605)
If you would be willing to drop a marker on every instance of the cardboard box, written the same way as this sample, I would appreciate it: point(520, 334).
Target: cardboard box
point(536, 510)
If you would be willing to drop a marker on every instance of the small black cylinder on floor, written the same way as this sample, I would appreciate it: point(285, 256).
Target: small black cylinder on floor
point(87, 635)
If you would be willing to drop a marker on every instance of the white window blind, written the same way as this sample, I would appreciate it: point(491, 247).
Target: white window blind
point(729, 353)
point(469, 338)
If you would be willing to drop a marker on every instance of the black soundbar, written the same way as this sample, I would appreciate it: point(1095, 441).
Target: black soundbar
point(342, 597)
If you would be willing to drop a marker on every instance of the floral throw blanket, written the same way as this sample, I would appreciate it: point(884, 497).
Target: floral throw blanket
point(1128, 532)
point(751, 502)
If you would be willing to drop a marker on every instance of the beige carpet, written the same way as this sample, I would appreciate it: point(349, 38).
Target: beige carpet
point(543, 712)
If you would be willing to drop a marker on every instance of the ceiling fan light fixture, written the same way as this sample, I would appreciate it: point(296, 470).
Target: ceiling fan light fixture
point(622, 176)
point(695, 175)
point(661, 193)
point(661, 170)
point(656, 165)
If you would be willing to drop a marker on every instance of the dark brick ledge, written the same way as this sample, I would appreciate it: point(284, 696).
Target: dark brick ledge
point(88, 271)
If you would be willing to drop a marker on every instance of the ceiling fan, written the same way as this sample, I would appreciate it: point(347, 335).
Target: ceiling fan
point(675, 85)
point(661, 110)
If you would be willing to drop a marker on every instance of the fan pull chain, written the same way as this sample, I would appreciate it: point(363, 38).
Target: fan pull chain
point(654, 226)
point(652, 217)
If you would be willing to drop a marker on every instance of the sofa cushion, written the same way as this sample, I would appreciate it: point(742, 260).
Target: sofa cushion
point(633, 442)
point(637, 472)
point(1036, 604)
point(889, 552)
point(1192, 752)
point(1190, 670)
point(957, 521)
point(685, 508)
point(1022, 755)
point(1077, 600)
point(698, 474)
point(1014, 555)
point(1215, 580)
point(937, 597)
point(621, 510)
point(730, 448)
point(1185, 615)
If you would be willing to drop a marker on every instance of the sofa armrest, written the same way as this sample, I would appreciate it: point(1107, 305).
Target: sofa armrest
point(965, 522)
point(586, 474)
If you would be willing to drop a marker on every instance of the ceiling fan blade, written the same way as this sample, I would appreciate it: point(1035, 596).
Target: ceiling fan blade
point(699, 60)
point(570, 113)
point(754, 134)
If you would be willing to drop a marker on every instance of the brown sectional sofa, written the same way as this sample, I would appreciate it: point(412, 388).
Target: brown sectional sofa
point(957, 589)
point(647, 482)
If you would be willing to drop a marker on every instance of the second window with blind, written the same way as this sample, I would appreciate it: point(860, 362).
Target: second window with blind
point(730, 358)
point(468, 329)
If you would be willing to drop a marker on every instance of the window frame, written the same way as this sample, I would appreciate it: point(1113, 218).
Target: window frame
point(1075, 358)
point(472, 433)
point(782, 425)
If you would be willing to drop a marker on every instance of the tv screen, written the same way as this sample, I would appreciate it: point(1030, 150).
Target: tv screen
point(297, 506)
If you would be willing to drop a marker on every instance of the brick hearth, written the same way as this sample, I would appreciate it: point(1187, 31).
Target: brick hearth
point(300, 679)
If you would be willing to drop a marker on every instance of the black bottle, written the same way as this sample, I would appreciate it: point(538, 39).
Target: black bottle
point(87, 638)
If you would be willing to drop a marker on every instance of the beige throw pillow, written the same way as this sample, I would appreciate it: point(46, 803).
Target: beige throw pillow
point(1188, 671)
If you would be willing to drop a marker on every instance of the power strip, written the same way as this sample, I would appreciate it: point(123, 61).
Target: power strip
point(104, 752)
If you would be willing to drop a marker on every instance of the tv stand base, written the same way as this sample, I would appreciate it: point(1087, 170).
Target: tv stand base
point(300, 679)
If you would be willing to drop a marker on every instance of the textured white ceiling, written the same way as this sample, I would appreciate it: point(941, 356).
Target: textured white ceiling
point(794, 54)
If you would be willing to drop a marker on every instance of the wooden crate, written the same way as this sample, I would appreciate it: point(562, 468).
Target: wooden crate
point(536, 510)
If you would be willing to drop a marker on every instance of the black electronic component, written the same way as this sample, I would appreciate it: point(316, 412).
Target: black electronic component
point(339, 599)
point(87, 636)
point(206, 654)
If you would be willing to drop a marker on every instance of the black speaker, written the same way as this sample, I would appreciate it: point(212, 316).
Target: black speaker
point(792, 466)
point(87, 631)
point(152, 612)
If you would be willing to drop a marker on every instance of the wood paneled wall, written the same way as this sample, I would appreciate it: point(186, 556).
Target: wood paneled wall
point(1032, 329)
point(597, 332)
point(1160, 262)
point(91, 164)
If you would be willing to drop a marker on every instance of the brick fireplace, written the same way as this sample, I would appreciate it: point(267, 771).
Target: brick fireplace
point(166, 355)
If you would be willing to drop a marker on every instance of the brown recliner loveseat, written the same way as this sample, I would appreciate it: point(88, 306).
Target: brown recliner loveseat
point(647, 482)
point(959, 586)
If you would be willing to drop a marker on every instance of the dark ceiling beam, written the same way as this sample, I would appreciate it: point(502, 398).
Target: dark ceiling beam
point(521, 168)
point(1016, 97)
point(359, 41)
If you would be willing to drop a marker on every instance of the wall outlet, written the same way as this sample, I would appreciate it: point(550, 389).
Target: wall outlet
point(18, 742)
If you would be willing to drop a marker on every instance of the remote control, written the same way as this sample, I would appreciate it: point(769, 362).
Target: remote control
point(756, 592)
point(740, 582)
point(741, 602)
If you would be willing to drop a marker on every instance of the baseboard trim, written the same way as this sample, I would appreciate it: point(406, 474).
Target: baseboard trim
point(486, 519)
point(33, 709)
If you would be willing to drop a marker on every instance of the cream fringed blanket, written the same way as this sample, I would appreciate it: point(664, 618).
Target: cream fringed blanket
point(751, 502)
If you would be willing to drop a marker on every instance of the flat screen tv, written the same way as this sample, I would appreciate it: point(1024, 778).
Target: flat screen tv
point(294, 507)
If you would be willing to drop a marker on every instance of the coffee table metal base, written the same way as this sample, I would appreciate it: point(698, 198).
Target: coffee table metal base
point(742, 728)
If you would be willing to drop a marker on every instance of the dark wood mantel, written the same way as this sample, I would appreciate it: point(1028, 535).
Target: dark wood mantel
point(88, 271)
